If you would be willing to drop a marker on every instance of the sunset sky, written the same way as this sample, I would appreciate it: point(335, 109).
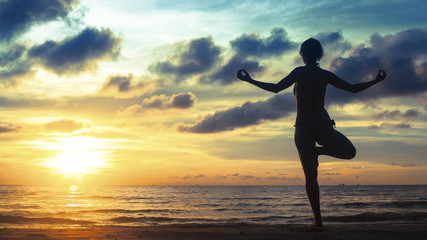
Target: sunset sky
point(145, 92)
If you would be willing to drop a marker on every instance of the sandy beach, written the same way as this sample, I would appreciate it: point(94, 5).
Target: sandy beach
point(252, 232)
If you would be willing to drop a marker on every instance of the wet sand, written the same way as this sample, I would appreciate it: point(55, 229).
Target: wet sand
point(252, 232)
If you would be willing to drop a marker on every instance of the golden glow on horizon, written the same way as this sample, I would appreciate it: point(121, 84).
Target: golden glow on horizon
point(77, 155)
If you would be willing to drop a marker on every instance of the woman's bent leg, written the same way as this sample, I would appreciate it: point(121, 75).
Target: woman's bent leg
point(335, 144)
point(308, 157)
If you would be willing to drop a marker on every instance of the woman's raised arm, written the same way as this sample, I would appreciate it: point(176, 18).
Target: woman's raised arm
point(354, 88)
point(271, 87)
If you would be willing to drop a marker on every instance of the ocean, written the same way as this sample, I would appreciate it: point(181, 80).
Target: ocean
point(88, 206)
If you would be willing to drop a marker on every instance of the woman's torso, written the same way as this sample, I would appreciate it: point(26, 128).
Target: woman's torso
point(309, 90)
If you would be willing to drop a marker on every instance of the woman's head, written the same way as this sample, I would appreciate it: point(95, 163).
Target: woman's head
point(311, 50)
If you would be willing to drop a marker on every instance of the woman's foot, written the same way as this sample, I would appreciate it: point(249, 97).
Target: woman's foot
point(317, 224)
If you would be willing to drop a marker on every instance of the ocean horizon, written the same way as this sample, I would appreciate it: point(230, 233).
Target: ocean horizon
point(147, 205)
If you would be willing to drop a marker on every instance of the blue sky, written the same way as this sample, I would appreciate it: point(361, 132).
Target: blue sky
point(144, 92)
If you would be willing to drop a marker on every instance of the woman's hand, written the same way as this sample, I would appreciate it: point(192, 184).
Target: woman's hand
point(243, 75)
point(381, 75)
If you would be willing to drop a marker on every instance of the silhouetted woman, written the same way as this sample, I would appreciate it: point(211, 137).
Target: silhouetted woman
point(313, 124)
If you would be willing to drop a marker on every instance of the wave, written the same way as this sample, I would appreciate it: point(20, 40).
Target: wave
point(44, 220)
point(127, 211)
point(394, 204)
point(197, 220)
point(157, 220)
point(18, 206)
point(405, 204)
point(268, 218)
point(249, 198)
point(379, 217)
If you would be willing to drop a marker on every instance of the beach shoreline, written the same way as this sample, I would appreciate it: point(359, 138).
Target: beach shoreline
point(206, 232)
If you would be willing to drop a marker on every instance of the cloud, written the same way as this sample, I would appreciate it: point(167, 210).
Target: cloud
point(408, 165)
point(122, 83)
point(329, 173)
point(401, 125)
point(252, 45)
point(77, 53)
point(195, 177)
point(163, 102)
point(63, 126)
point(199, 56)
point(333, 41)
point(245, 177)
point(283, 179)
point(13, 54)
point(17, 16)
point(125, 86)
point(227, 73)
point(13, 64)
point(396, 114)
point(411, 113)
point(404, 164)
point(202, 57)
point(182, 100)
point(250, 113)
point(401, 55)
point(8, 127)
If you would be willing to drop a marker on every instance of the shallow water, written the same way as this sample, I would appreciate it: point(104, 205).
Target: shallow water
point(77, 206)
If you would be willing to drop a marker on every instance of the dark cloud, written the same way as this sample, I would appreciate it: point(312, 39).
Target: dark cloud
point(252, 45)
point(119, 82)
point(17, 16)
point(333, 44)
point(163, 102)
point(202, 56)
point(247, 47)
point(13, 64)
point(182, 100)
point(393, 116)
point(227, 73)
point(402, 55)
point(13, 54)
point(411, 113)
point(77, 53)
point(126, 86)
point(333, 39)
point(63, 126)
point(250, 113)
point(199, 56)
point(8, 127)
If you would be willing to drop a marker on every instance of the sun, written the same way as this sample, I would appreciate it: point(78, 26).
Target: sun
point(77, 155)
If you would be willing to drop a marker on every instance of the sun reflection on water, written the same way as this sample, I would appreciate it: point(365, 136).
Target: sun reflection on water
point(73, 197)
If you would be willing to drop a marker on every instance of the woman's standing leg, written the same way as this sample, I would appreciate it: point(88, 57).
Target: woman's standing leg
point(307, 153)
